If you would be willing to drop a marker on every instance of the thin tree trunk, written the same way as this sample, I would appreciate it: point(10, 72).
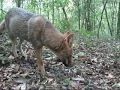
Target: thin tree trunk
point(39, 5)
point(112, 16)
point(79, 18)
point(94, 12)
point(53, 12)
point(18, 3)
point(88, 23)
point(77, 4)
point(118, 23)
point(22, 3)
point(48, 10)
point(101, 18)
point(65, 14)
point(108, 22)
point(83, 15)
point(1, 7)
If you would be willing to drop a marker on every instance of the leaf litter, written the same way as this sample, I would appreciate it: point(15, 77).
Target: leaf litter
point(96, 67)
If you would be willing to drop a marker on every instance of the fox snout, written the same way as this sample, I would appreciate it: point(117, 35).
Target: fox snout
point(67, 62)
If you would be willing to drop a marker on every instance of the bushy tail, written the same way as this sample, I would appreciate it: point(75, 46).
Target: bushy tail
point(2, 26)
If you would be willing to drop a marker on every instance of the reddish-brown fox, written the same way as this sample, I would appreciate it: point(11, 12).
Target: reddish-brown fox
point(39, 32)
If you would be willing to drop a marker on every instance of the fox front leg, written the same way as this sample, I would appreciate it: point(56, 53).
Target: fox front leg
point(40, 64)
point(14, 42)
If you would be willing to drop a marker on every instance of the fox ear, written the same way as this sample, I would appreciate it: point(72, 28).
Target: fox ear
point(69, 38)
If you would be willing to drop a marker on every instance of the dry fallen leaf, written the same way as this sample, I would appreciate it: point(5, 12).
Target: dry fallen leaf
point(109, 76)
point(23, 86)
point(74, 85)
point(116, 85)
point(78, 78)
point(50, 80)
point(11, 57)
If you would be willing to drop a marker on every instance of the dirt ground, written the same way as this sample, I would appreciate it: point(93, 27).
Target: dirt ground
point(96, 67)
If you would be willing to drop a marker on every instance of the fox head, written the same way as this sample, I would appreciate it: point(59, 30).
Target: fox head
point(65, 53)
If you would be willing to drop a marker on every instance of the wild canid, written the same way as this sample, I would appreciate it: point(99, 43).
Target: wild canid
point(39, 32)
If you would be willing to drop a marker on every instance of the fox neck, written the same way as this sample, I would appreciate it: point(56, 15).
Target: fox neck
point(53, 39)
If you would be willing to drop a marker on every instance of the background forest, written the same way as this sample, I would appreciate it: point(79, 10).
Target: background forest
point(96, 47)
point(99, 18)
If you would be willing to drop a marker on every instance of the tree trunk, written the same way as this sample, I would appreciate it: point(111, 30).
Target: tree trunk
point(77, 4)
point(18, 3)
point(66, 18)
point(40, 4)
point(101, 18)
point(118, 23)
point(94, 12)
point(88, 21)
point(1, 8)
point(48, 10)
point(53, 12)
point(108, 22)
point(79, 18)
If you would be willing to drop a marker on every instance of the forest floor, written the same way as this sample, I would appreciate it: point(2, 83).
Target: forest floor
point(96, 67)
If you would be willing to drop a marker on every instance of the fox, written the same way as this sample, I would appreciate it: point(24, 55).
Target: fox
point(40, 32)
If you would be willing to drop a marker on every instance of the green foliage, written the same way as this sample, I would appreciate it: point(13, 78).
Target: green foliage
point(85, 33)
point(78, 14)
point(2, 16)
point(61, 3)
point(63, 25)
point(34, 3)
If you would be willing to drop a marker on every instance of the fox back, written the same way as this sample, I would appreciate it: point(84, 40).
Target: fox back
point(16, 21)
